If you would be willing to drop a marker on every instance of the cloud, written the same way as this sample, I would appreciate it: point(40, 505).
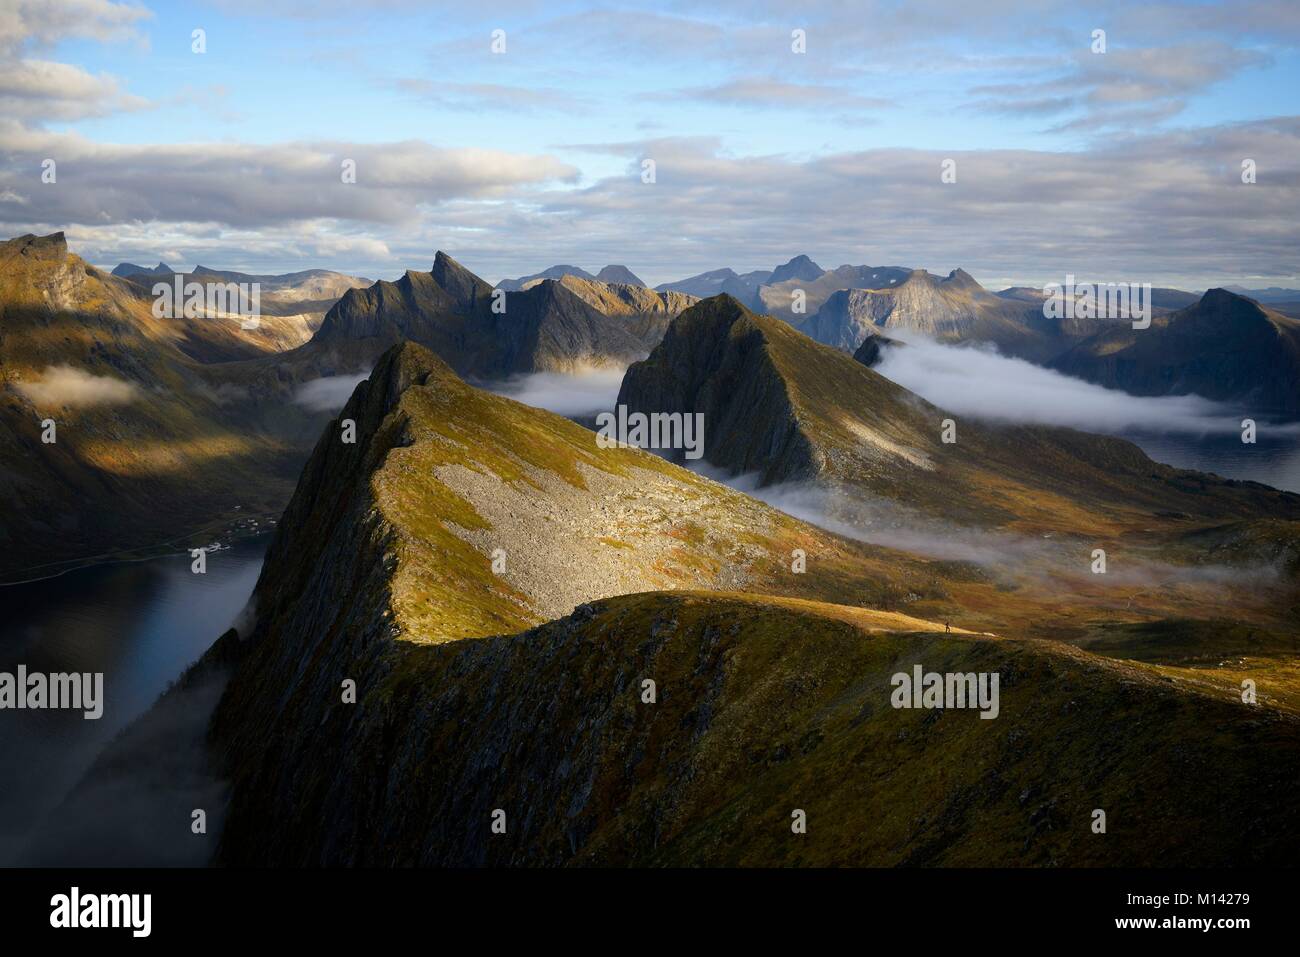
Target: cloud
point(578, 396)
point(68, 387)
point(768, 93)
point(329, 393)
point(42, 23)
point(1029, 214)
point(1047, 561)
point(1122, 87)
point(488, 96)
point(42, 90)
point(251, 185)
point(979, 382)
point(1025, 215)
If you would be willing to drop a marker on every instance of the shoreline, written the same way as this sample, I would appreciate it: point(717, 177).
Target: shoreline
point(228, 537)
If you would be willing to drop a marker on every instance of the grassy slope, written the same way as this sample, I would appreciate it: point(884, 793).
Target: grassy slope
point(765, 706)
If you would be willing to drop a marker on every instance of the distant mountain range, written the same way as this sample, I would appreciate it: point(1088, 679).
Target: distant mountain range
point(845, 306)
point(609, 274)
point(1269, 295)
point(292, 305)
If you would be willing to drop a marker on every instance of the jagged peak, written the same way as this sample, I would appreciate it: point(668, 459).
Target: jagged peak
point(1220, 308)
point(961, 277)
point(443, 263)
point(457, 281)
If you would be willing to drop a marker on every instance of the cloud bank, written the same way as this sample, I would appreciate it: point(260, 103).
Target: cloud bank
point(980, 382)
point(329, 393)
point(580, 395)
point(66, 386)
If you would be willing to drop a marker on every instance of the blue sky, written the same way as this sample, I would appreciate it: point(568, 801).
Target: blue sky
point(1120, 164)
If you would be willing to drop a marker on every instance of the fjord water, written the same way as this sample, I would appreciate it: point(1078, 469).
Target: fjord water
point(141, 624)
point(1272, 460)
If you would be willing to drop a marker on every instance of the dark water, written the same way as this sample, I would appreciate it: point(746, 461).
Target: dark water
point(141, 624)
point(1273, 460)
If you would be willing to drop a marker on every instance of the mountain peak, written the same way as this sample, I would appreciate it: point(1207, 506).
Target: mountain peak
point(463, 286)
point(124, 269)
point(619, 275)
point(1220, 299)
point(960, 277)
point(800, 267)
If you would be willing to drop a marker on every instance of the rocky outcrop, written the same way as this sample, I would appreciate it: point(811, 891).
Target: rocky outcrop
point(872, 349)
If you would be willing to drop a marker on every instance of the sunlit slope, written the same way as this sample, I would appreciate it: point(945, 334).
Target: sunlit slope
point(150, 446)
point(763, 708)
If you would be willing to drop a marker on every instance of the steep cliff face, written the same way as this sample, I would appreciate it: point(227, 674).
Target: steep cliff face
point(951, 309)
point(715, 359)
point(871, 351)
point(778, 298)
point(479, 692)
point(548, 327)
point(1224, 347)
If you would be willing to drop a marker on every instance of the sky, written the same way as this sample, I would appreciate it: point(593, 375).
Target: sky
point(1120, 165)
